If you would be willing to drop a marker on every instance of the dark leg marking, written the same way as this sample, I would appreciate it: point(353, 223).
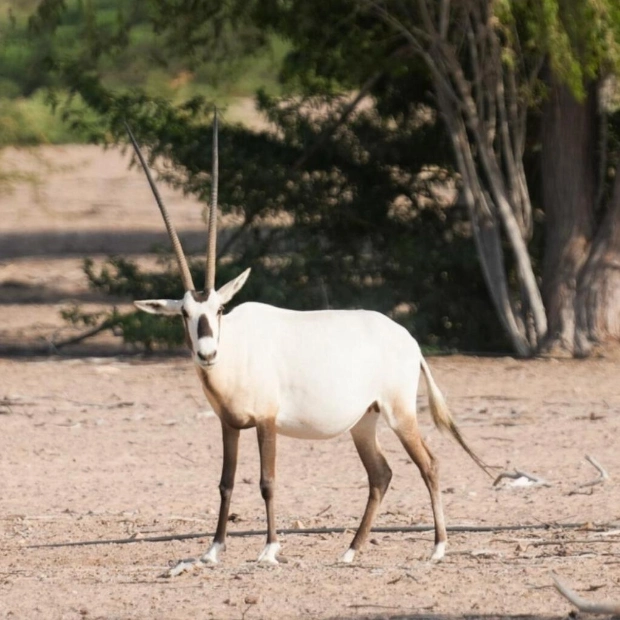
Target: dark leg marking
point(230, 438)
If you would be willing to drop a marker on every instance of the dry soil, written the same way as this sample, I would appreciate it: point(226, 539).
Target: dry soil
point(99, 443)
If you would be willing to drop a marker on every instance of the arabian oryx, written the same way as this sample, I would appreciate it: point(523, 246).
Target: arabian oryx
point(309, 375)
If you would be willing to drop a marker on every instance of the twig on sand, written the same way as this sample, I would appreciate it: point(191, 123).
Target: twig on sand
point(7, 404)
point(93, 331)
point(582, 604)
point(602, 477)
point(370, 606)
point(574, 541)
point(322, 512)
point(602, 473)
point(323, 530)
point(518, 473)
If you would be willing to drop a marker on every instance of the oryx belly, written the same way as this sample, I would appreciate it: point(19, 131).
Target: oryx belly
point(323, 398)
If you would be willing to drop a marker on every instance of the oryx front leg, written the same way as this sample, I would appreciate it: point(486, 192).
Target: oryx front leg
point(266, 432)
point(364, 435)
point(230, 437)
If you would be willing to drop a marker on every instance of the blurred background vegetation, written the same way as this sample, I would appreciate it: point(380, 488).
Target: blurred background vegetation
point(31, 92)
point(344, 181)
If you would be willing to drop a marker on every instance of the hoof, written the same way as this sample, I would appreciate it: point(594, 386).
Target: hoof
point(438, 552)
point(269, 553)
point(348, 556)
point(212, 556)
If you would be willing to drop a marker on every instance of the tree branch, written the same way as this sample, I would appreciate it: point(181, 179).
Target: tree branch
point(485, 230)
point(89, 333)
point(582, 604)
point(312, 530)
point(444, 18)
point(331, 129)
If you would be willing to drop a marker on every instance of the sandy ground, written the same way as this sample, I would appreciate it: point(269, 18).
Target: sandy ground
point(99, 445)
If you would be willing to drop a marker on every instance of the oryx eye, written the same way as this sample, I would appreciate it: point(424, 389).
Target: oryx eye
point(220, 311)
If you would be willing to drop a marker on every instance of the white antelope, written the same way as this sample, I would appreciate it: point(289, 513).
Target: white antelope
point(309, 375)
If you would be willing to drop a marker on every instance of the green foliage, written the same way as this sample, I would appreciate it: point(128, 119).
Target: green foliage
point(30, 121)
point(366, 228)
point(580, 37)
point(365, 225)
point(120, 44)
point(122, 278)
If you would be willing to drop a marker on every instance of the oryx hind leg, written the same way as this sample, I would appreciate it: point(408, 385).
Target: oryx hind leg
point(364, 435)
point(405, 425)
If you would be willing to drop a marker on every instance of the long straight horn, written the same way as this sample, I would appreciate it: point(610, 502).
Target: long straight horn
point(212, 240)
point(176, 244)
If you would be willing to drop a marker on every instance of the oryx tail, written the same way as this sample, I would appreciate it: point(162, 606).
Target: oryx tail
point(443, 419)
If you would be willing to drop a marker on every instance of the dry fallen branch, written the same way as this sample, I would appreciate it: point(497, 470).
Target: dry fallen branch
point(602, 474)
point(574, 541)
point(602, 477)
point(582, 604)
point(516, 474)
point(477, 554)
point(89, 333)
point(615, 532)
point(324, 530)
point(7, 404)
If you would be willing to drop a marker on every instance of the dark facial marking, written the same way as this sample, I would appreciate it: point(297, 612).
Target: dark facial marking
point(188, 340)
point(204, 329)
point(200, 296)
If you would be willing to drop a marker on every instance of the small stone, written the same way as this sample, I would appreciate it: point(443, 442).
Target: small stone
point(251, 599)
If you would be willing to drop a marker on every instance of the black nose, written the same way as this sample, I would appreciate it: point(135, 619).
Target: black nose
point(206, 358)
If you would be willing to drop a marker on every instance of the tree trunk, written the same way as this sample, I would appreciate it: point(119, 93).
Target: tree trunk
point(598, 290)
point(569, 194)
point(485, 227)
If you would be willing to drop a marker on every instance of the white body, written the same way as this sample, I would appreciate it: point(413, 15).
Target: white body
point(317, 372)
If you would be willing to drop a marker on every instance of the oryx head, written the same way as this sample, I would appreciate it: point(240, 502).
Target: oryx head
point(201, 311)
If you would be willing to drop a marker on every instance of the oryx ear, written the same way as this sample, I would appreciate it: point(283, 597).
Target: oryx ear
point(230, 289)
point(160, 306)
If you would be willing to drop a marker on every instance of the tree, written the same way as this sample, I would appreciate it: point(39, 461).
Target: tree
point(365, 227)
point(492, 63)
point(495, 71)
point(482, 95)
point(581, 176)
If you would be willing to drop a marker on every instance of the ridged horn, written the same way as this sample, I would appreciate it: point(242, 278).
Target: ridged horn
point(212, 230)
point(174, 239)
